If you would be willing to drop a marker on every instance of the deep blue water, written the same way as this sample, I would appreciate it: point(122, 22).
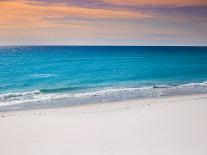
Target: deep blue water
point(75, 69)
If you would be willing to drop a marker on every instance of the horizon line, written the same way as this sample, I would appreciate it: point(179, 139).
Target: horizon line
point(108, 45)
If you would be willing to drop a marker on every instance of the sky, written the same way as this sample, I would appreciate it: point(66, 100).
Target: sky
point(103, 22)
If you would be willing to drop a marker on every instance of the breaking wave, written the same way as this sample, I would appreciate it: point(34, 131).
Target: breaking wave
point(62, 97)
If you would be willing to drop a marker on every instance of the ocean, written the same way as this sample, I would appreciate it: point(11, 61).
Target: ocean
point(52, 76)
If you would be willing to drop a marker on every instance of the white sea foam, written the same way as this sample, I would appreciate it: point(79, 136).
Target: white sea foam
point(15, 97)
point(41, 75)
point(36, 98)
point(161, 86)
point(194, 84)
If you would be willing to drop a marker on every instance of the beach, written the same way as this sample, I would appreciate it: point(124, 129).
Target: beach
point(158, 126)
point(103, 77)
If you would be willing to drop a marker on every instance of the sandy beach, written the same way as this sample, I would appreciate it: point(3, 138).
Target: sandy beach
point(164, 126)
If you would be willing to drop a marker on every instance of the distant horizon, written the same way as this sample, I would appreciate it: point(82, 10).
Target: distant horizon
point(105, 45)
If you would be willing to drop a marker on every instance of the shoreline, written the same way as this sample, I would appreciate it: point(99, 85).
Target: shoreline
point(141, 100)
point(37, 99)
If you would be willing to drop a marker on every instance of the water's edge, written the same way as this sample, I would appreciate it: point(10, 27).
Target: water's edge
point(42, 99)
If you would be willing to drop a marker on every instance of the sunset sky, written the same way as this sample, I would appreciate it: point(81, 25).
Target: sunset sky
point(103, 22)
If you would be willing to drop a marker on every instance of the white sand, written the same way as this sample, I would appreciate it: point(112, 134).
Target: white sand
point(166, 126)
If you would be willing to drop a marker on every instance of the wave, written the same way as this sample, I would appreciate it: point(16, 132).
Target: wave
point(61, 96)
point(41, 75)
point(44, 94)
point(12, 95)
point(60, 90)
point(21, 97)
point(161, 86)
point(194, 84)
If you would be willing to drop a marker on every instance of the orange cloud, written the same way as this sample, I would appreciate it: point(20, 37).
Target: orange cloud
point(22, 18)
point(158, 2)
point(31, 22)
point(26, 9)
point(22, 14)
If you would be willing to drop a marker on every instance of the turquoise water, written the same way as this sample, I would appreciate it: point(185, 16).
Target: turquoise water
point(73, 73)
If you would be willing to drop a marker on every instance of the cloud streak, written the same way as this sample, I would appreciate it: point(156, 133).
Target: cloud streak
point(28, 9)
point(157, 2)
point(102, 21)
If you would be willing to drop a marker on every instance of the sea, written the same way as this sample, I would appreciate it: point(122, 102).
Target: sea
point(55, 76)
